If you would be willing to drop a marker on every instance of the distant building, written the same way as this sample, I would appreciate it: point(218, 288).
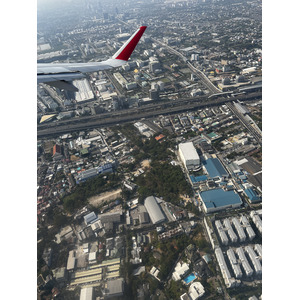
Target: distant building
point(214, 168)
point(189, 155)
point(181, 269)
point(87, 293)
point(90, 218)
point(114, 288)
point(154, 210)
point(154, 94)
point(57, 152)
point(60, 275)
point(196, 290)
point(218, 199)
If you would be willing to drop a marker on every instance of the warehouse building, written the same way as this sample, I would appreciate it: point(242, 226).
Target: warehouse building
point(239, 229)
point(255, 260)
point(90, 218)
point(230, 231)
point(234, 264)
point(91, 173)
point(87, 293)
point(154, 210)
point(222, 234)
point(248, 270)
point(252, 195)
point(218, 199)
point(114, 288)
point(228, 279)
point(214, 168)
point(189, 156)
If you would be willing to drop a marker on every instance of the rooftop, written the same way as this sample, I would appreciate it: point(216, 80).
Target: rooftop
point(218, 198)
point(214, 168)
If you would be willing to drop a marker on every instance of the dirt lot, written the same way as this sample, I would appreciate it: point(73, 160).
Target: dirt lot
point(145, 163)
point(108, 196)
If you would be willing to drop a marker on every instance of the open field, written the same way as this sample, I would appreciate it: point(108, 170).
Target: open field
point(107, 196)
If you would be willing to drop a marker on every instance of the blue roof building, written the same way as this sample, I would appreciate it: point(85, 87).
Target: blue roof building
point(218, 199)
point(252, 195)
point(196, 179)
point(214, 168)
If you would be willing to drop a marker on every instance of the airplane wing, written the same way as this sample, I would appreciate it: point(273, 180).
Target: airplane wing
point(61, 74)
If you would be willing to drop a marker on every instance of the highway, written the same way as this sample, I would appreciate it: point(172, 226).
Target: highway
point(135, 114)
point(252, 129)
point(205, 81)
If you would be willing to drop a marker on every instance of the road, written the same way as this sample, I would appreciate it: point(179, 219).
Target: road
point(129, 115)
point(252, 129)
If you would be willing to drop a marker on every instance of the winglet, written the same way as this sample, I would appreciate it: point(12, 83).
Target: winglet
point(125, 51)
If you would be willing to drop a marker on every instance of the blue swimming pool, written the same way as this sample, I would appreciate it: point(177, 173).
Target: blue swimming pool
point(189, 278)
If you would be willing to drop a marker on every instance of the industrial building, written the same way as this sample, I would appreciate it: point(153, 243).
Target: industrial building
point(228, 279)
point(189, 156)
point(230, 231)
point(222, 234)
point(90, 218)
point(246, 224)
point(87, 293)
point(154, 210)
point(91, 173)
point(214, 168)
point(252, 195)
point(255, 260)
point(114, 288)
point(218, 199)
point(234, 264)
point(85, 92)
point(248, 270)
point(239, 229)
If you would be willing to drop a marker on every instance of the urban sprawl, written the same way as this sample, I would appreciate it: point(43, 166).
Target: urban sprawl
point(150, 176)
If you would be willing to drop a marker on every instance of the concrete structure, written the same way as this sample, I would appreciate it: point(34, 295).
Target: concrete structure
point(196, 290)
point(248, 270)
point(87, 293)
point(230, 231)
point(85, 92)
point(256, 220)
point(114, 288)
point(222, 234)
point(255, 260)
point(180, 270)
point(218, 199)
point(246, 224)
point(121, 80)
point(71, 261)
point(258, 249)
point(189, 155)
point(234, 264)
point(154, 210)
point(228, 279)
point(239, 229)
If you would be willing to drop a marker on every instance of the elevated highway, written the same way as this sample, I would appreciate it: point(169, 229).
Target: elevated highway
point(135, 114)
